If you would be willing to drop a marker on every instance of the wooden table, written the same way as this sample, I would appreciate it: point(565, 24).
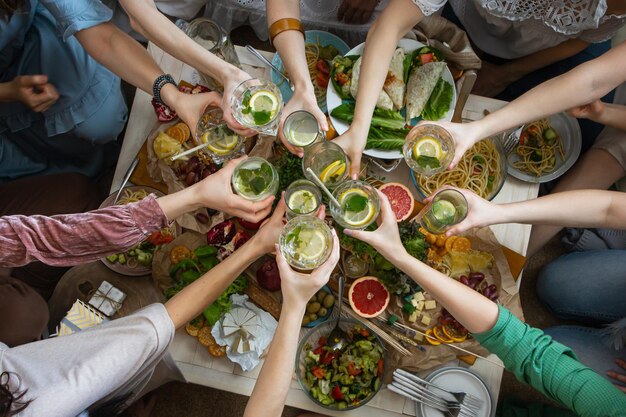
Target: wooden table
point(193, 359)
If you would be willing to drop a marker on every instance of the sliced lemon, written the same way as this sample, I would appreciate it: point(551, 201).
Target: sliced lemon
point(427, 146)
point(357, 218)
point(333, 171)
point(312, 244)
point(349, 193)
point(302, 201)
point(221, 146)
point(264, 100)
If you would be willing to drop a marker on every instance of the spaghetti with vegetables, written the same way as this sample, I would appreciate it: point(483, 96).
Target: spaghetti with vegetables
point(479, 171)
point(538, 148)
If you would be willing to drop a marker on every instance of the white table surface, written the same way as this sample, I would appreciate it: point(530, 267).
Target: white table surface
point(194, 360)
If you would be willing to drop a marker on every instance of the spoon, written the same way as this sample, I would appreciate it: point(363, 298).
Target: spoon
point(337, 337)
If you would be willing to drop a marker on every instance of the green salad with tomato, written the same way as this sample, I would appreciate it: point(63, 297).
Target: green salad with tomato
point(344, 378)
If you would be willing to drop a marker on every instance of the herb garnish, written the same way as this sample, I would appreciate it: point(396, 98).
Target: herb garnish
point(427, 162)
point(355, 203)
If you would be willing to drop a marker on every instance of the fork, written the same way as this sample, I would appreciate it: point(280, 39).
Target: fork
point(416, 388)
point(511, 140)
point(419, 394)
point(461, 397)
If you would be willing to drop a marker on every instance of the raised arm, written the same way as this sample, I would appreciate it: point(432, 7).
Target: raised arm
point(270, 390)
point(146, 19)
point(290, 47)
point(584, 84)
point(578, 208)
point(73, 239)
point(393, 23)
point(527, 352)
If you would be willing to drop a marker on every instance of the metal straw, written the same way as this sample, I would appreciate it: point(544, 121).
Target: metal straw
point(320, 184)
point(188, 151)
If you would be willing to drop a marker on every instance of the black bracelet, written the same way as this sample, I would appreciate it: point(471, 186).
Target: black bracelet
point(159, 83)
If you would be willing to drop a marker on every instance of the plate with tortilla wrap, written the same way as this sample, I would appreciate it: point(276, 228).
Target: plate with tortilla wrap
point(418, 86)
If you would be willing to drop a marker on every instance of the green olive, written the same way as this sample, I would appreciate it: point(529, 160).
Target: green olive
point(312, 317)
point(305, 320)
point(313, 307)
point(321, 295)
point(323, 312)
point(329, 300)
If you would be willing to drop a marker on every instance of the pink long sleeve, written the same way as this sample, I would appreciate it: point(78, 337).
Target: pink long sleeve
point(72, 239)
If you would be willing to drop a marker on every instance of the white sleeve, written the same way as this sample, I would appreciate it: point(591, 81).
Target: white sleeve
point(66, 375)
point(429, 7)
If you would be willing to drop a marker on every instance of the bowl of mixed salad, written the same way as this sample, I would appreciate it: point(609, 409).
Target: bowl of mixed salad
point(341, 379)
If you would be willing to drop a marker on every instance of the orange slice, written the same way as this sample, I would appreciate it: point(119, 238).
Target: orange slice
point(432, 339)
point(453, 334)
point(462, 244)
point(179, 131)
point(438, 333)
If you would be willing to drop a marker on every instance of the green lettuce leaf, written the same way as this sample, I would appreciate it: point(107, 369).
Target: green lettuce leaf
point(439, 102)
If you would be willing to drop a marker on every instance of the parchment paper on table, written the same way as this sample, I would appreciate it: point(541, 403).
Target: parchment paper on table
point(246, 331)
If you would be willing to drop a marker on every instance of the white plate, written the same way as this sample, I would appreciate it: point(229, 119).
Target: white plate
point(458, 380)
point(333, 100)
point(569, 131)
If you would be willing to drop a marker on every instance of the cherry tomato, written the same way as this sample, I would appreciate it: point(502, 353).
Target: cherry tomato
point(341, 78)
point(321, 80)
point(318, 372)
point(322, 66)
point(353, 370)
point(336, 393)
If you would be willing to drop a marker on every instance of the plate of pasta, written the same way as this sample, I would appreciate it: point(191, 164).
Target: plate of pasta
point(547, 149)
point(137, 261)
point(482, 170)
point(320, 48)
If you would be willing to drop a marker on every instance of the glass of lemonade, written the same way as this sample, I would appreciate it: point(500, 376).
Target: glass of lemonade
point(257, 104)
point(447, 208)
point(301, 129)
point(428, 149)
point(223, 143)
point(328, 161)
point(255, 179)
point(306, 242)
point(303, 198)
point(359, 203)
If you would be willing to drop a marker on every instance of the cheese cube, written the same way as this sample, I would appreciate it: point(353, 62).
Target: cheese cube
point(420, 306)
point(418, 337)
point(430, 304)
point(418, 296)
point(426, 319)
point(413, 317)
point(414, 303)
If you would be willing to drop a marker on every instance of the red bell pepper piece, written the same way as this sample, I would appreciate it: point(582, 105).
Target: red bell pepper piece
point(318, 372)
point(353, 370)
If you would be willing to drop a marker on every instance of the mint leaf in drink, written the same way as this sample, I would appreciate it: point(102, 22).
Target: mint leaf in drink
point(246, 99)
point(294, 236)
point(258, 185)
point(261, 117)
point(355, 203)
point(427, 161)
point(246, 174)
point(266, 170)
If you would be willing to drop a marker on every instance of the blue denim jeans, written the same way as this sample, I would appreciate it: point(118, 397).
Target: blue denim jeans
point(589, 287)
point(590, 347)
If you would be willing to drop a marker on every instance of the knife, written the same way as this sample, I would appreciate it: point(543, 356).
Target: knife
point(129, 172)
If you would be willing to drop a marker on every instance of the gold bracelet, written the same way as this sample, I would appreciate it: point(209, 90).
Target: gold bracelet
point(282, 25)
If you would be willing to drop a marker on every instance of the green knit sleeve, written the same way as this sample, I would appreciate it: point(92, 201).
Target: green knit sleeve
point(551, 368)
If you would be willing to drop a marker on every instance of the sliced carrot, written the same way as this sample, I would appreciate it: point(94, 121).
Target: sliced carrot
point(462, 244)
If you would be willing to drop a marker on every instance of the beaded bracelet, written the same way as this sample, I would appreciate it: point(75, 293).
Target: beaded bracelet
point(159, 83)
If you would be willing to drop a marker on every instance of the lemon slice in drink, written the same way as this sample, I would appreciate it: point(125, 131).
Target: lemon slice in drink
point(312, 244)
point(302, 201)
point(221, 146)
point(264, 101)
point(332, 171)
point(356, 218)
point(427, 146)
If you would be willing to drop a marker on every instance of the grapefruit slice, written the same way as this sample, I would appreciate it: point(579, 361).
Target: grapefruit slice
point(368, 297)
point(401, 199)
